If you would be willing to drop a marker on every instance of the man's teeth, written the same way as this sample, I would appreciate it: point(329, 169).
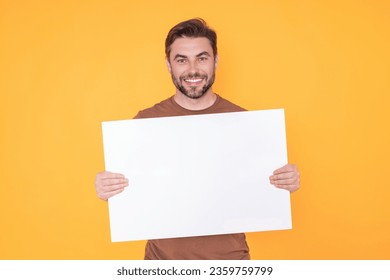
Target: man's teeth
point(193, 80)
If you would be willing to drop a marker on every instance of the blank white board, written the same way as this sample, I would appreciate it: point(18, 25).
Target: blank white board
point(197, 175)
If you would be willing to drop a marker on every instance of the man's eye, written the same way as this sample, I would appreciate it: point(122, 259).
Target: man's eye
point(202, 58)
point(181, 61)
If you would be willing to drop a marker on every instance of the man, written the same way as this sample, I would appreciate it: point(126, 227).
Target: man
point(191, 58)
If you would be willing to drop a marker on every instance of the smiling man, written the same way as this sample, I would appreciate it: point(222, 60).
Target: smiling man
point(192, 58)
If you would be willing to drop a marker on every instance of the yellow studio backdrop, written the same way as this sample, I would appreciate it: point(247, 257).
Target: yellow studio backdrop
point(66, 66)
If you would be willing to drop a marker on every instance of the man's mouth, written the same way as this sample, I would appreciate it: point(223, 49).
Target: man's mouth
point(193, 81)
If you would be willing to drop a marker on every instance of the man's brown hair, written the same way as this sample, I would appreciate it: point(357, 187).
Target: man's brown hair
point(193, 28)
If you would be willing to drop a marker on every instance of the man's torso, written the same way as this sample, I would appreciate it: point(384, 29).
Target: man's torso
point(227, 246)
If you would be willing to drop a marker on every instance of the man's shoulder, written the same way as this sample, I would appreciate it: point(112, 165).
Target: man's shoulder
point(164, 108)
point(223, 105)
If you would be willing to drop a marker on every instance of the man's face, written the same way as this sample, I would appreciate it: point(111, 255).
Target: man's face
point(192, 66)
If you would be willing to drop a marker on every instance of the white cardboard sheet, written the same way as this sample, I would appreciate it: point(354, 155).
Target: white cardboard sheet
point(197, 175)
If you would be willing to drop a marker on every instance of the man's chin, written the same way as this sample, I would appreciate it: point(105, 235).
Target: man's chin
point(195, 95)
point(191, 93)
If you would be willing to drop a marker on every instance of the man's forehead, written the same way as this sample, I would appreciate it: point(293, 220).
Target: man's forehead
point(191, 46)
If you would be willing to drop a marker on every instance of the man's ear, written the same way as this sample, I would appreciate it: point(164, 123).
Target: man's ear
point(216, 61)
point(168, 65)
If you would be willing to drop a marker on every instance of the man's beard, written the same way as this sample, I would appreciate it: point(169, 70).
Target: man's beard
point(192, 92)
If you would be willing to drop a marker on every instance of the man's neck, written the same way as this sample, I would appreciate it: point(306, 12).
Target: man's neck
point(204, 102)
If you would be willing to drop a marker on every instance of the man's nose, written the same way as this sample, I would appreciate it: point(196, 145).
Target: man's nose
point(193, 67)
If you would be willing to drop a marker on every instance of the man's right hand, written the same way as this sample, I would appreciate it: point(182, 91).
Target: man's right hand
point(108, 184)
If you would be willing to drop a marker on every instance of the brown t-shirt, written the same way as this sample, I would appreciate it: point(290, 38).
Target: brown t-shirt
point(213, 247)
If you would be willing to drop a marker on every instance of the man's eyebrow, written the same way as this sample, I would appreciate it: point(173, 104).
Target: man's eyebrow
point(203, 53)
point(179, 56)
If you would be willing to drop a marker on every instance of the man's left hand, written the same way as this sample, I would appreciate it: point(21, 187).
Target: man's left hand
point(286, 177)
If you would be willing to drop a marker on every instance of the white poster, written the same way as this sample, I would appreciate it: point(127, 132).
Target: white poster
point(197, 175)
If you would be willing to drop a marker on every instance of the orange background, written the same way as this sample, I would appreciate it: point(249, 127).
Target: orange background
point(65, 66)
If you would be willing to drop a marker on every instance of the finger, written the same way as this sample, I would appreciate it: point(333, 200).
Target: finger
point(109, 175)
point(109, 178)
point(290, 187)
point(286, 168)
point(284, 181)
point(113, 187)
point(104, 192)
point(113, 175)
point(283, 176)
point(114, 182)
point(107, 195)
